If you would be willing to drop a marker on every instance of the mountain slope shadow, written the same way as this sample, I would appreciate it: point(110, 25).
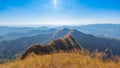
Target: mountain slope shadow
point(66, 44)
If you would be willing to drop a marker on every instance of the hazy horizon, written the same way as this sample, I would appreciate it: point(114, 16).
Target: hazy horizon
point(58, 12)
point(53, 26)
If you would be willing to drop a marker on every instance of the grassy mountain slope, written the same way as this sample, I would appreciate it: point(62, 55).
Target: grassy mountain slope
point(61, 60)
point(67, 44)
point(90, 42)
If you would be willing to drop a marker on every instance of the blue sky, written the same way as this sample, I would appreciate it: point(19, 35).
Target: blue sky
point(59, 12)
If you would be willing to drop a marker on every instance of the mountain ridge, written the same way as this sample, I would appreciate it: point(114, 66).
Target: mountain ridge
point(67, 44)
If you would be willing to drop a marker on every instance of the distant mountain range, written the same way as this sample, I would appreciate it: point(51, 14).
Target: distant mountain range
point(16, 35)
point(104, 37)
point(100, 30)
point(12, 48)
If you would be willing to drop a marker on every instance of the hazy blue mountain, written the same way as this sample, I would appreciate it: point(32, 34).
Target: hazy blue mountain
point(100, 30)
point(7, 29)
point(105, 30)
point(15, 35)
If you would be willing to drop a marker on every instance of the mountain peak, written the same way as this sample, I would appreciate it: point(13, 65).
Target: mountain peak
point(65, 29)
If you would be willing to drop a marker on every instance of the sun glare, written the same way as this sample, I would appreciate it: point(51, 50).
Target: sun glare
point(55, 3)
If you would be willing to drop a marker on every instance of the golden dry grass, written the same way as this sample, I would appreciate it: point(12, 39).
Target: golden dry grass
point(61, 60)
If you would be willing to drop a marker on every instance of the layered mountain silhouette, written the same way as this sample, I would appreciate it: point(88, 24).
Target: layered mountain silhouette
point(16, 35)
point(67, 44)
point(9, 49)
point(100, 30)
